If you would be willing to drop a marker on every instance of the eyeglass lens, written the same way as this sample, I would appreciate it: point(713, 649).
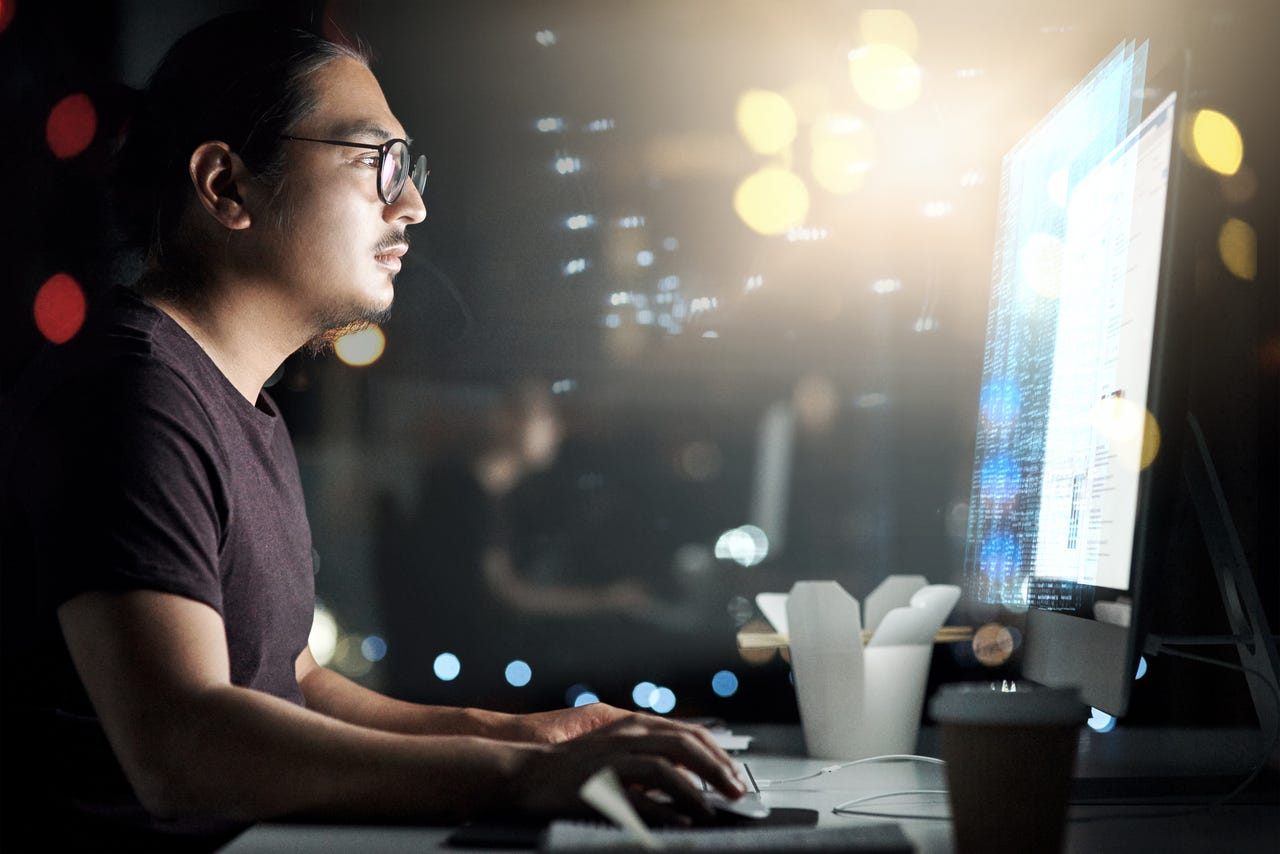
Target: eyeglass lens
point(395, 170)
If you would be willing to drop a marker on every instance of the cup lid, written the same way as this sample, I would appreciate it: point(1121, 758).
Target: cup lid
point(1006, 703)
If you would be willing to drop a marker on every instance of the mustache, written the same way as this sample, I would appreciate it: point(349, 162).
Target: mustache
point(395, 238)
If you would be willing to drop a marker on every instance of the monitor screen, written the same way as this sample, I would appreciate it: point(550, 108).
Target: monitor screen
point(1065, 425)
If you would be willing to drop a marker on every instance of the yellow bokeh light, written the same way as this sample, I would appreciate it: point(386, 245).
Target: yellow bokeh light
point(1133, 432)
point(884, 76)
point(1217, 142)
point(362, 347)
point(993, 644)
point(889, 26)
point(772, 200)
point(766, 121)
point(843, 152)
point(1238, 246)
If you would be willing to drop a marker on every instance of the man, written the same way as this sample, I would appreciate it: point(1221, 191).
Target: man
point(158, 579)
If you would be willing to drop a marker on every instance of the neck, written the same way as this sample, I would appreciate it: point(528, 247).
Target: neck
point(247, 332)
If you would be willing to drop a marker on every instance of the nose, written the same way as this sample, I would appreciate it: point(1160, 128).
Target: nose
point(408, 208)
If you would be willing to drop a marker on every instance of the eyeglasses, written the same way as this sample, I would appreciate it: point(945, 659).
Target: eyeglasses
point(393, 165)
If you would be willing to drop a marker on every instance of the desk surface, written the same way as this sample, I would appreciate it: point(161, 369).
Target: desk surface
point(1242, 827)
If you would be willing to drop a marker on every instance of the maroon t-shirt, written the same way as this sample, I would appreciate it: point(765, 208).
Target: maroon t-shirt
point(128, 461)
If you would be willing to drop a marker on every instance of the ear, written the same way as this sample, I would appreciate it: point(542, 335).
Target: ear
point(220, 180)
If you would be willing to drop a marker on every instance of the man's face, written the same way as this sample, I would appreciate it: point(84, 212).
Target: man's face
point(340, 245)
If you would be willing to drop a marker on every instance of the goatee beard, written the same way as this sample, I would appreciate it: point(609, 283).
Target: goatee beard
point(336, 324)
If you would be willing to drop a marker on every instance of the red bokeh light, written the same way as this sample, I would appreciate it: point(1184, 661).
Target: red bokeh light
point(71, 126)
point(60, 308)
point(7, 8)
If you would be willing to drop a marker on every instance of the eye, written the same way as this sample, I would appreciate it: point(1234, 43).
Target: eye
point(370, 160)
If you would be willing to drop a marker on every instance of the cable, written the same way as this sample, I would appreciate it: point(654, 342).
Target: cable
point(1167, 648)
point(1275, 735)
point(831, 769)
point(848, 807)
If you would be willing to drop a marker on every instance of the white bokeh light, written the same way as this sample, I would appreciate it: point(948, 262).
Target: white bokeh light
point(323, 639)
point(447, 666)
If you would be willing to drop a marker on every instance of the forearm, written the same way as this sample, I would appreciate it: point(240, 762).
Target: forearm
point(336, 696)
point(241, 754)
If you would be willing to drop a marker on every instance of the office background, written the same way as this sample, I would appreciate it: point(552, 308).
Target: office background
point(697, 311)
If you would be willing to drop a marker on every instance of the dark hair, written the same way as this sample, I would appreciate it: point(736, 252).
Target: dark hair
point(240, 78)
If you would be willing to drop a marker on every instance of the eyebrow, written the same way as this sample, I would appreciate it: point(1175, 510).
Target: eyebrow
point(363, 128)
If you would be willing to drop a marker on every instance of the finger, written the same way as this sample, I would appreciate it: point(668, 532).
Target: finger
point(651, 772)
point(685, 748)
point(703, 735)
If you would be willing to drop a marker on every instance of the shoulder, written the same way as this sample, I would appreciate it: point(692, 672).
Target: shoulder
point(125, 383)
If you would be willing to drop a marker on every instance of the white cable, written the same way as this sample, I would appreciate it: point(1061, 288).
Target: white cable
point(831, 769)
point(849, 807)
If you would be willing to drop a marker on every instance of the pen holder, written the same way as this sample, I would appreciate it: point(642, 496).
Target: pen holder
point(857, 702)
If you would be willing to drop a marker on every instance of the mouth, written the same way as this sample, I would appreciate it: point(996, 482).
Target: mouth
point(390, 257)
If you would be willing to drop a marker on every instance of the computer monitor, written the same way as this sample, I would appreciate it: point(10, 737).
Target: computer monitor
point(1071, 477)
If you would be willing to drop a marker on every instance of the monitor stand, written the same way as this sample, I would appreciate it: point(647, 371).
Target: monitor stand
point(1251, 634)
point(1171, 763)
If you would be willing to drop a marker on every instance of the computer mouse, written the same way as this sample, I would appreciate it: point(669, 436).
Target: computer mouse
point(747, 806)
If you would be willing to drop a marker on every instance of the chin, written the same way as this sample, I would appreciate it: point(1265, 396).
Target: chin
point(336, 321)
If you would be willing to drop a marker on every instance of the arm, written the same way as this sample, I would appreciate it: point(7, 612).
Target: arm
point(192, 744)
point(155, 666)
point(335, 695)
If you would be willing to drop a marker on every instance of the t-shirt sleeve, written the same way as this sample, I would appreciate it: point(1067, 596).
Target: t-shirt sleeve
point(133, 500)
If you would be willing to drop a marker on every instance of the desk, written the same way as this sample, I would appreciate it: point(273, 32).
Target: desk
point(775, 755)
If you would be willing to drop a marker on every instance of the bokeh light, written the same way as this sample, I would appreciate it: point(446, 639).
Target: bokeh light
point(323, 639)
point(664, 700)
point(586, 698)
point(348, 657)
point(518, 674)
point(724, 683)
point(1100, 721)
point(447, 666)
point(889, 26)
point(843, 152)
point(746, 545)
point(1142, 667)
point(71, 125)
point(771, 201)
point(1238, 248)
point(373, 648)
point(1131, 429)
point(884, 76)
point(993, 644)
point(1217, 142)
point(60, 308)
point(766, 121)
point(7, 8)
point(362, 347)
point(642, 694)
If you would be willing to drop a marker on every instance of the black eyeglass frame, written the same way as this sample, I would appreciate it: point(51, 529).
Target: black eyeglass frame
point(419, 166)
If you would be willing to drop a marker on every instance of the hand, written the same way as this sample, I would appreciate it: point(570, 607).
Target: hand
point(560, 725)
point(647, 752)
